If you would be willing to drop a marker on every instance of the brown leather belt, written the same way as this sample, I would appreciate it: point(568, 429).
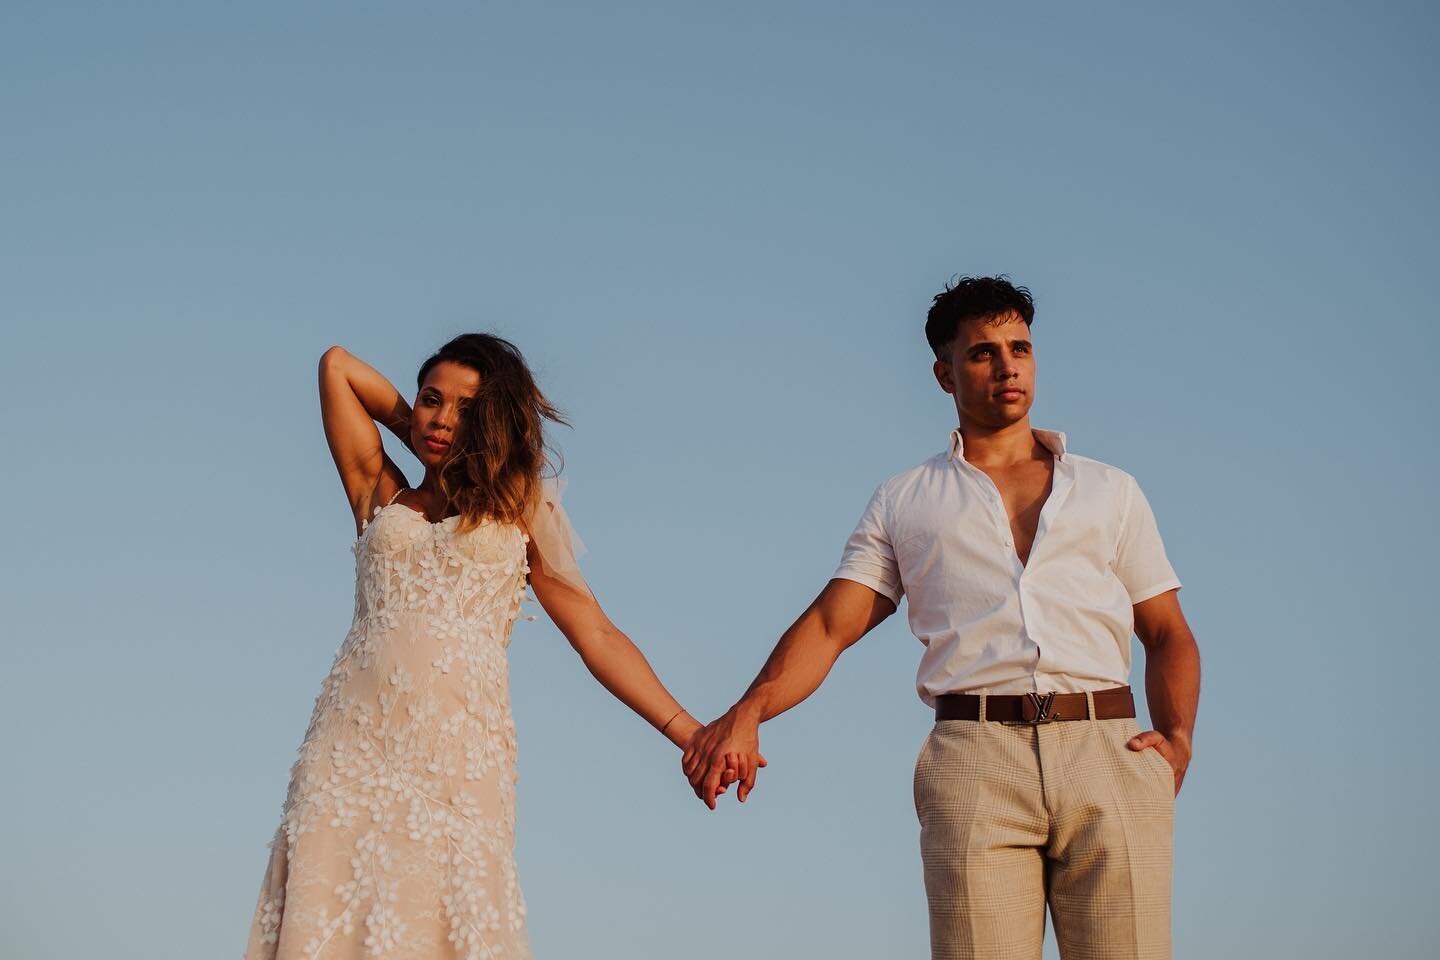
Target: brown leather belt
point(1036, 708)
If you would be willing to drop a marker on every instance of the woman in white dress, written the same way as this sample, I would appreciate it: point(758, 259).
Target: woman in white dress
point(398, 832)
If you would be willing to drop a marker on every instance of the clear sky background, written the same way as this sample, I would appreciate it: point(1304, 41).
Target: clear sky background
point(714, 229)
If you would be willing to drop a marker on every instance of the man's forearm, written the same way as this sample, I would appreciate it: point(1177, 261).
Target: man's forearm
point(729, 748)
point(1172, 684)
point(800, 662)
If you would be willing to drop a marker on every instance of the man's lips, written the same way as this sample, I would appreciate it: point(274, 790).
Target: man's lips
point(1010, 393)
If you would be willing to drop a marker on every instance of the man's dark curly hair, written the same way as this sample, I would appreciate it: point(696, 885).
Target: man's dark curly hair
point(969, 298)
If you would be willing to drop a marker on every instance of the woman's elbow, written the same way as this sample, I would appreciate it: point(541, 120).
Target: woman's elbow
point(333, 357)
point(599, 644)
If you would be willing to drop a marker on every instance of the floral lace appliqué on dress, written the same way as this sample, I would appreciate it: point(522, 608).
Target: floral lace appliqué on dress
point(398, 833)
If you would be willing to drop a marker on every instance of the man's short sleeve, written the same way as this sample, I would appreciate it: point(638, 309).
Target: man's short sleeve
point(869, 558)
point(1140, 560)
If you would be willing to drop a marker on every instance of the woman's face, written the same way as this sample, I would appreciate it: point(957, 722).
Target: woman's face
point(435, 423)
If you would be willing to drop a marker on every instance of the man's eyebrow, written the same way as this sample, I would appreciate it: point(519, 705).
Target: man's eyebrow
point(993, 344)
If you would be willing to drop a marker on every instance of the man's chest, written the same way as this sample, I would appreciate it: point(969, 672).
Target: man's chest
point(1024, 489)
point(967, 524)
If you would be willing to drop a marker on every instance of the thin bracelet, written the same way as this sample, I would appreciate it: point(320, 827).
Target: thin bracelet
point(671, 720)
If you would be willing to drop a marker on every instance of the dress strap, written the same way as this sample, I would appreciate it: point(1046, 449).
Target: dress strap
point(395, 495)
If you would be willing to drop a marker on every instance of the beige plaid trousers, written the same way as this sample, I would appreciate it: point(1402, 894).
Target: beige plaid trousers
point(1013, 817)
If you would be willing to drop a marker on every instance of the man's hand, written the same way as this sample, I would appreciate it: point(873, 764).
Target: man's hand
point(1175, 751)
point(723, 752)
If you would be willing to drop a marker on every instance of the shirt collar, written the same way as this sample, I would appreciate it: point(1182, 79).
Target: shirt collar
point(1052, 440)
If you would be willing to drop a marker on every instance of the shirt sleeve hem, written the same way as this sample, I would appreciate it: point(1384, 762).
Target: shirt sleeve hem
point(1164, 586)
point(885, 590)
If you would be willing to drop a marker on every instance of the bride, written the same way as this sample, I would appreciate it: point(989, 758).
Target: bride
point(398, 831)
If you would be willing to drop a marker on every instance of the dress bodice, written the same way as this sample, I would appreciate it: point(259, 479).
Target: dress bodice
point(461, 583)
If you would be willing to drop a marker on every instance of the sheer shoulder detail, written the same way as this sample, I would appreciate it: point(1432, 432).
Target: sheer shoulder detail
point(555, 540)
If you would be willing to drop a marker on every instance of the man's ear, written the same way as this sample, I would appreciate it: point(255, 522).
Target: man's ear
point(944, 375)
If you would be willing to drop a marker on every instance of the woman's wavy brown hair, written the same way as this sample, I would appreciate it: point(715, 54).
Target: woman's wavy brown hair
point(500, 453)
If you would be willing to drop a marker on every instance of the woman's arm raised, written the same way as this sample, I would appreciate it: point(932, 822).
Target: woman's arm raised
point(354, 396)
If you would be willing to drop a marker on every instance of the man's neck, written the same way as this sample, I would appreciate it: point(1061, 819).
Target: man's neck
point(1000, 446)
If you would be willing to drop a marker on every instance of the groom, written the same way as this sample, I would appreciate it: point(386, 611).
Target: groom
point(1027, 567)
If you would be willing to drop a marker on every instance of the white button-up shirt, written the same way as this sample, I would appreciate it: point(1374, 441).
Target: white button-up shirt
point(1061, 622)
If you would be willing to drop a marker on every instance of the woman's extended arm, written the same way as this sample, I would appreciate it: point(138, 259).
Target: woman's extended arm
point(609, 654)
point(354, 396)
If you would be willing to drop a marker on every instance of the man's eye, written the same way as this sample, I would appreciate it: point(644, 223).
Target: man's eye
point(984, 352)
point(1022, 349)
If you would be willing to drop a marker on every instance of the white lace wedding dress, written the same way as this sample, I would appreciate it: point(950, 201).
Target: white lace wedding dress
point(398, 831)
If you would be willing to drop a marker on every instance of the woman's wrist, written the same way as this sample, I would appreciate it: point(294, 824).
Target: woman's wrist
point(680, 728)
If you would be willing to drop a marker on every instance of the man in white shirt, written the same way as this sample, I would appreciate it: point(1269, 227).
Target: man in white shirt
point(1027, 568)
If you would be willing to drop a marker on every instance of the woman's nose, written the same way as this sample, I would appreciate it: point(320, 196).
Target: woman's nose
point(450, 414)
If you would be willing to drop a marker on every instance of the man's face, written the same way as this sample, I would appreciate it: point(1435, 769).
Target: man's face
point(990, 370)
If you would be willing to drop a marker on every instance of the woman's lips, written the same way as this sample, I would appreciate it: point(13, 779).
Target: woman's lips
point(437, 446)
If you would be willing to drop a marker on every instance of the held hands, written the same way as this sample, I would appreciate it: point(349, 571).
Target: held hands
point(1175, 750)
point(723, 752)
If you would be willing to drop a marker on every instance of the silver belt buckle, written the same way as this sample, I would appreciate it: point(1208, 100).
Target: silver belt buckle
point(1042, 704)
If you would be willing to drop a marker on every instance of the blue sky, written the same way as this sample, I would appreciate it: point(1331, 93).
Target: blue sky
point(714, 230)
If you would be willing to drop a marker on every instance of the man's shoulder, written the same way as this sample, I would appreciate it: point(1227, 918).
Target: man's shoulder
point(1097, 467)
point(1103, 478)
point(908, 480)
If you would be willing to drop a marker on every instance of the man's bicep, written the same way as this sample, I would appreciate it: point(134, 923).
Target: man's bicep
point(1159, 616)
point(850, 609)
